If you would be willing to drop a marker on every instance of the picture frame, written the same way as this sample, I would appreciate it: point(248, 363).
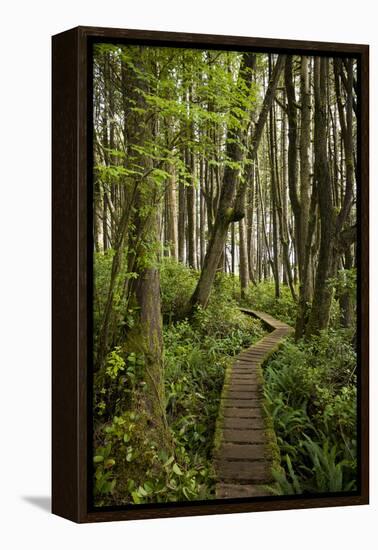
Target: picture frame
point(72, 286)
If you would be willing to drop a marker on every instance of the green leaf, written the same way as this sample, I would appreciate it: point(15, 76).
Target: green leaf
point(98, 458)
point(177, 470)
point(135, 497)
point(129, 456)
point(148, 488)
point(169, 461)
point(142, 492)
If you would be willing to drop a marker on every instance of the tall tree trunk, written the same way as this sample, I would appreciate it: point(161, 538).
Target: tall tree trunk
point(190, 205)
point(319, 316)
point(292, 149)
point(202, 217)
point(243, 265)
point(250, 226)
point(283, 194)
point(275, 187)
point(233, 249)
point(147, 293)
point(346, 302)
point(305, 289)
point(181, 221)
point(171, 219)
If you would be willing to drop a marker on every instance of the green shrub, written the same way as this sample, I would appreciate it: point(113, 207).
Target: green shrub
point(177, 283)
point(131, 468)
point(261, 298)
point(225, 322)
point(122, 316)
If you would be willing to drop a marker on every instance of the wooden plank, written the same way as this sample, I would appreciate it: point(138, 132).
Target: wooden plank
point(235, 451)
point(242, 403)
point(237, 490)
point(235, 388)
point(237, 394)
point(244, 436)
point(248, 472)
point(236, 412)
point(244, 423)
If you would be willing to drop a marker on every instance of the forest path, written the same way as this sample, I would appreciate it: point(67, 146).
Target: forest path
point(243, 457)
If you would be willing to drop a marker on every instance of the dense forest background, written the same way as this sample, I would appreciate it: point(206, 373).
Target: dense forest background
point(221, 179)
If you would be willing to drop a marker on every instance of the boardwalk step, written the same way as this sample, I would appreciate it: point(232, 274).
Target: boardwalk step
point(229, 490)
point(244, 436)
point(237, 394)
point(239, 412)
point(244, 472)
point(242, 403)
point(244, 379)
point(247, 386)
point(237, 423)
point(234, 451)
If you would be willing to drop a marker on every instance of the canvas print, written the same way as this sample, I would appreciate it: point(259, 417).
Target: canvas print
point(225, 268)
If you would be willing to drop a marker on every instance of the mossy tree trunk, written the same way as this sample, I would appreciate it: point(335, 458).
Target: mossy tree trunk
point(148, 331)
point(150, 327)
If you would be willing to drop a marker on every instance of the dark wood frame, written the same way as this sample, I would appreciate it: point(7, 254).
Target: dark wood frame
point(71, 234)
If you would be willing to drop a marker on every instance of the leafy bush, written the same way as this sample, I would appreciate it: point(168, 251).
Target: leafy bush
point(177, 284)
point(115, 383)
point(122, 315)
point(130, 467)
point(310, 391)
point(261, 298)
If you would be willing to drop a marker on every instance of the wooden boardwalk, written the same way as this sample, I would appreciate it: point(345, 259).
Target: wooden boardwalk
point(243, 457)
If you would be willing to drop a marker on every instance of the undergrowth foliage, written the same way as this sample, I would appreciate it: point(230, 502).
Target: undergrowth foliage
point(310, 392)
point(129, 466)
point(261, 297)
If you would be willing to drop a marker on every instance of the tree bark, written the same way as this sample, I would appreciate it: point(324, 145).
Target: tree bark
point(319, 316)
point(243, 266)
point(181, 221)
point(275, 187)
point(190, 205)
point(147, 293)
point(171, 220)
point(305, 288)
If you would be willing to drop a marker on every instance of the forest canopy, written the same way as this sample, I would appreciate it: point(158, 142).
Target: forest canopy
point(222, 180)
